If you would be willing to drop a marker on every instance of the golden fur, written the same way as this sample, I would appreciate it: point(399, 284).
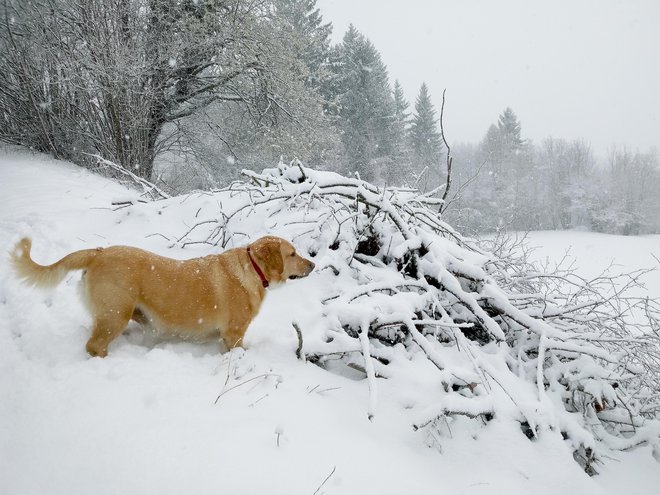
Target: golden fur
point(216, 296)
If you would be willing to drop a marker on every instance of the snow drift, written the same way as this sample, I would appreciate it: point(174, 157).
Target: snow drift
point(399, 324)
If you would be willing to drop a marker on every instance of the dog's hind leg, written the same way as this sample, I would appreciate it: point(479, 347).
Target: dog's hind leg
point(112, 309)
point(107, 327)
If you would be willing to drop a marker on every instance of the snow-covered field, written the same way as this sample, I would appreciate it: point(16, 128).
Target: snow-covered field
point(592, 253)
point(146, 419)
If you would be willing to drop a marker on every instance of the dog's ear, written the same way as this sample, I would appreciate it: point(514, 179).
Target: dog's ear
point(268, 253)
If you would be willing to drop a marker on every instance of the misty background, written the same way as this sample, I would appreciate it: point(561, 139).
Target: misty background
point(550, 111)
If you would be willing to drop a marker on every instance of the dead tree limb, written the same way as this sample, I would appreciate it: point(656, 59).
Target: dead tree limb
point(450, 159)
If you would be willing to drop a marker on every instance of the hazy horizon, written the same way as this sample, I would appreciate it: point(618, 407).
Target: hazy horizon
point(571, 70)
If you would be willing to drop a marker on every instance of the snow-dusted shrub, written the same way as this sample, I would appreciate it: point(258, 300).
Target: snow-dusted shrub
point(410, 300)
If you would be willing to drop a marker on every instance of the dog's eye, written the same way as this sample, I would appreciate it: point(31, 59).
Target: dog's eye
point(293, 254)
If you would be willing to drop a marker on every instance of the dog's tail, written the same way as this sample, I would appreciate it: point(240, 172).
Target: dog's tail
point(50, 275)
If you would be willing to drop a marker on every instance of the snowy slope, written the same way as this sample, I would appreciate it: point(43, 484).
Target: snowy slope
point(144, 420)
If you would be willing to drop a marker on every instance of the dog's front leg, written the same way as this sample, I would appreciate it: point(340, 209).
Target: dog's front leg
point(232, 340)
point(233, 336)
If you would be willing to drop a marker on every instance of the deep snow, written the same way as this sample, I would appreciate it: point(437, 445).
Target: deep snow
point(144, 419)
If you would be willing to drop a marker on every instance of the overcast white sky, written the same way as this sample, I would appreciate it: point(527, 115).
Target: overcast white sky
point(581, 68)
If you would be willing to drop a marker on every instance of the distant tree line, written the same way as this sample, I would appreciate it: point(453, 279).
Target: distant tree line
point(186, 93)
point(508, 183)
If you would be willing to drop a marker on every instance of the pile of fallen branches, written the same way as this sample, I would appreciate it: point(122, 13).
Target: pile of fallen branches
point(502, 338)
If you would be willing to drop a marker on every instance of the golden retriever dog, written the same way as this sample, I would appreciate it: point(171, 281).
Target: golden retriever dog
point(216, 296)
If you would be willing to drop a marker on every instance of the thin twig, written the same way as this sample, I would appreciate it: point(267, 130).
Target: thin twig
point(325, 480)
point(264, 375)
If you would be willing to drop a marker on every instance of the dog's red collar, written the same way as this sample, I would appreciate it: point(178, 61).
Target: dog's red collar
point(257, 269)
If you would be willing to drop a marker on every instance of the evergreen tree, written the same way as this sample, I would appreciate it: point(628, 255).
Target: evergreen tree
point(502, 142)
point(303, 22)
point(425, 138)
point(364, 106)
point(511, 175)
point(509, 128)
point(400, 172)
point(401, 114)
point(401, 123)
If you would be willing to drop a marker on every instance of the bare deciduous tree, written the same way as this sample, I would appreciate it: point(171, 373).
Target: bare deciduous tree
point(83, 76)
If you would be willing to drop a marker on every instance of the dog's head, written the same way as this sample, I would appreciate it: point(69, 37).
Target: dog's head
point(279, 260)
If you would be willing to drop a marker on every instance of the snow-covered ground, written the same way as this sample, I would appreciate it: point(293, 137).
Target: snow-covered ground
point(146, 419)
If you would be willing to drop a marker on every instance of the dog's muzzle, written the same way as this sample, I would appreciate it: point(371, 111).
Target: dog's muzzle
point(307, 272)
